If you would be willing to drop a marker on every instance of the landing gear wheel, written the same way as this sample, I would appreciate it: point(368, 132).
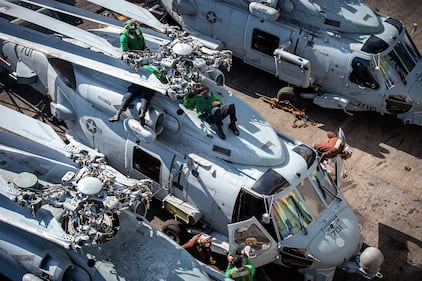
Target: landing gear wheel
point(286, 93)
point(175, 230)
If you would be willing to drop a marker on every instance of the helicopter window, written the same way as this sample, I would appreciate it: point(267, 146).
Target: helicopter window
point(324, 183)
point(404, 56)
point(312, 200)
point(270, 183)
point(397, 24)
point(290, 214)
point(411, 46)
point(248, 206)
point(253, 236)
point(264, 42)
point(362, 73)
point(374, 45)
point(65, 70)
point(391, 71)
point(335, 23)
point(147, 164)
point(307, 153)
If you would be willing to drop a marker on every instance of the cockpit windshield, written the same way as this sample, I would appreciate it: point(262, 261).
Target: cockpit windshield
point(290, 214)
point(397, 64)
point(295, 211)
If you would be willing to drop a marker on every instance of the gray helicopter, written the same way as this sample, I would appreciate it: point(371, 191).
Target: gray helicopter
point(340, 54)
point(66, 215)
point(261, 189)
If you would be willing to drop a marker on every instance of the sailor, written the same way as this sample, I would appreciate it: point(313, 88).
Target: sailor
point(209, 106)
point(131, 37)
point(199, 246)
point(144, 94)
point(237, 269)
point(332, 147)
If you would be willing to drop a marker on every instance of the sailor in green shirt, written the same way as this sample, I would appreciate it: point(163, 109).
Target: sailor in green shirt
point(209, 107)
point(239, 271)
point(131, 37)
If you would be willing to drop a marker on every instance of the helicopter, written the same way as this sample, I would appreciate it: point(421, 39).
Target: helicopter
point(339, 54)
point(67, 215)
point(261, 189)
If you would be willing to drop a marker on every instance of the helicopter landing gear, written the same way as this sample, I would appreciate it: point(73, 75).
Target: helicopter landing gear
point(175, 230)
point(284, 100)
point(285, 93)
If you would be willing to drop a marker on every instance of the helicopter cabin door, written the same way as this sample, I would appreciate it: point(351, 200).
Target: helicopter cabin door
point(260, 44)
point(264, 248)
point(364, 83)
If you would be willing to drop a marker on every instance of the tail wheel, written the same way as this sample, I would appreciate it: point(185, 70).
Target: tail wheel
point(286, 93)
point(175, 230)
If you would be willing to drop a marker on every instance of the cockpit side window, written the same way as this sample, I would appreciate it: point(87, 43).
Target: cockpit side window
point(312, 200)
point(264, 42)
point(362, 73)
point(248, 206)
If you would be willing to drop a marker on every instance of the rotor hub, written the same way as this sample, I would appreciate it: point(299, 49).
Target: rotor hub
point(182, 49)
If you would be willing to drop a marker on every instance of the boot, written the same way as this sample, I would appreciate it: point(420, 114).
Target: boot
point(233, 127)
point(115, 117)
point(220, 133)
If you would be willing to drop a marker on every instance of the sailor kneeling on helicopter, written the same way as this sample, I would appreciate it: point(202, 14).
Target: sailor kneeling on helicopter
point(209, 106)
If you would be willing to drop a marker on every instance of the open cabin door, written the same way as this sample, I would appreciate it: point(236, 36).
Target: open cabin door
point(264, 248)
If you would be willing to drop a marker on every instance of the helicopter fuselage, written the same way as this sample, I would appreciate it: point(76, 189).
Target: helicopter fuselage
point(354, 62)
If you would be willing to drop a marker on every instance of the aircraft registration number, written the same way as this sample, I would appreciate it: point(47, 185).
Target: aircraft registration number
point(335, 228)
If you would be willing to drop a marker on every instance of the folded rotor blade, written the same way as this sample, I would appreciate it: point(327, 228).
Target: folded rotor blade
point(131, 11)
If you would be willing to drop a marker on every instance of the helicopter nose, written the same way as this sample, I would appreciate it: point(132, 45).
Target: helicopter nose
point(414, 116)
point(337, 242)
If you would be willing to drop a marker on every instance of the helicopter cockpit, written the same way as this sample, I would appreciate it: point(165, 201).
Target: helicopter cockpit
point(397, 63)
point(287, 213)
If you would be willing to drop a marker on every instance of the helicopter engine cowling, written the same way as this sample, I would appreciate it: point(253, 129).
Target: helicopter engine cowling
point(47, 262)
point(154, 119)
point(154, 116)
point(217, 76)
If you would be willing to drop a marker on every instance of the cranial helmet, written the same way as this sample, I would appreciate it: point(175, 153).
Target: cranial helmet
point(131, 24)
